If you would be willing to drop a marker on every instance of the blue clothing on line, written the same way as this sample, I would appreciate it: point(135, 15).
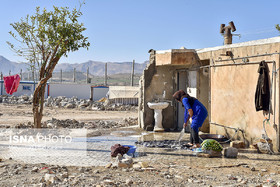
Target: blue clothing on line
point(199, 113)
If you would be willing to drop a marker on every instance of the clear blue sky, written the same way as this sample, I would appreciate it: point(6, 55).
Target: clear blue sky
point(123, 30)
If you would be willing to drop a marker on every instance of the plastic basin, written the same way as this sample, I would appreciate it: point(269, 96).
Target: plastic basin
point(131, 150)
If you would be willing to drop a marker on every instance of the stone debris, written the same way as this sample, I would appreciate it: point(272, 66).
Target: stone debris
point(50, 178)
point(35, 169)
point(230, 152)
point(128, 182)
point(108, 165)
point(237, 144)
point(70, 103)
point(74, 124)
point(124, 161)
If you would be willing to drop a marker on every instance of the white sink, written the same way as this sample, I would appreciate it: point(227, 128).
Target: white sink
point(159, 105)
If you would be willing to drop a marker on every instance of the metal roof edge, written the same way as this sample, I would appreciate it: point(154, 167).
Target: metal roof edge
point(242, 44)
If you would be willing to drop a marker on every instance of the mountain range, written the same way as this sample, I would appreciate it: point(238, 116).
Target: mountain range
point(95, 67)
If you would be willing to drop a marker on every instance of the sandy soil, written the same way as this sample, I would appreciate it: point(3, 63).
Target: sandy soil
point(167, 167)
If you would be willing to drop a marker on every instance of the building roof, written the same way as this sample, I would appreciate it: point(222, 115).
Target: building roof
point(242, 44)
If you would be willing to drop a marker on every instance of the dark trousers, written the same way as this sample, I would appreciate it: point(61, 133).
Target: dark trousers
point(194, 136)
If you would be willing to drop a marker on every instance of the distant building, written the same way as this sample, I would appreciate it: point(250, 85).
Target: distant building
point(124, 94)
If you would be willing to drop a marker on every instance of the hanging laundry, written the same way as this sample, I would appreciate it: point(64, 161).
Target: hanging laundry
point(11, 83)
point(262, 95)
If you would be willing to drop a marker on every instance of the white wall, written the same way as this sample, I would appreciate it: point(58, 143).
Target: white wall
point(24, 88)
point(99, 93)
point(82, 91)
point(124, 94)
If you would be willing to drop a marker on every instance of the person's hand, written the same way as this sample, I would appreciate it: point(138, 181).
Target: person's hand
point(185, 124)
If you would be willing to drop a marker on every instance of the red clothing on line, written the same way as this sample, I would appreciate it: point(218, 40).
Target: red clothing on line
point(11, 83)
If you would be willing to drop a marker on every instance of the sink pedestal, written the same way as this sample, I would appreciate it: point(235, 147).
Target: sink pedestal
point(158, 107)
point(158, 120)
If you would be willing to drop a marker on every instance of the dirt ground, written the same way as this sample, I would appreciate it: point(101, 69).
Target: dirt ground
point(167, 167)
point(15, 114)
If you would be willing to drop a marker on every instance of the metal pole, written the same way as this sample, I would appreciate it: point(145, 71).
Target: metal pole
point(74, 75)
point(253, 56)
point(237, 64)
point(1, 76)
point(87, 81)
point(105, 82)
point(132, 73)
point(61, 75)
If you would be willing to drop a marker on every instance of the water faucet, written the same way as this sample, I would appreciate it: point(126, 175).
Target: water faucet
point(168, 101)
point(163, 95)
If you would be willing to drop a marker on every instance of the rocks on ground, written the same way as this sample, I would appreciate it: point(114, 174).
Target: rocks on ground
point(230, 152)
point(70, 103)
point(74, 124)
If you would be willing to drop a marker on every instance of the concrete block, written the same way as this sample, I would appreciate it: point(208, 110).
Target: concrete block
point(237, 144)
point(230, 152)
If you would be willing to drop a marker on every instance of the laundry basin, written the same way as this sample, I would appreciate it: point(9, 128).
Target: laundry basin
point(217, 137)
point(158, 107)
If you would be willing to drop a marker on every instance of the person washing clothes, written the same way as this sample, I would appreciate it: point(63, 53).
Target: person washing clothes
point(193, 109)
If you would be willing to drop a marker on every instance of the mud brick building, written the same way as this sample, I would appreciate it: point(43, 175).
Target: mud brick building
point(224, 79)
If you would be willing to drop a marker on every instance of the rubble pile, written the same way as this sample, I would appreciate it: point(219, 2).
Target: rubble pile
point(103, 124)
point(70, 103)
point(74, 124)
point(24, 99)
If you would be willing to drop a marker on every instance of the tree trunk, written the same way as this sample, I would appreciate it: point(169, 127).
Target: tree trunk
point(38, 103)
point(39, 92)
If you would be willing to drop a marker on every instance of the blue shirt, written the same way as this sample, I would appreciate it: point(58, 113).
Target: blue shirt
point(199, 111)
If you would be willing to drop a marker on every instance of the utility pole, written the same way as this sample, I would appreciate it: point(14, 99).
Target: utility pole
point(87, 79)
point(105, 82)
point(21, 74)
point(74, 75)
point(132, 73)
point(61, 75)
